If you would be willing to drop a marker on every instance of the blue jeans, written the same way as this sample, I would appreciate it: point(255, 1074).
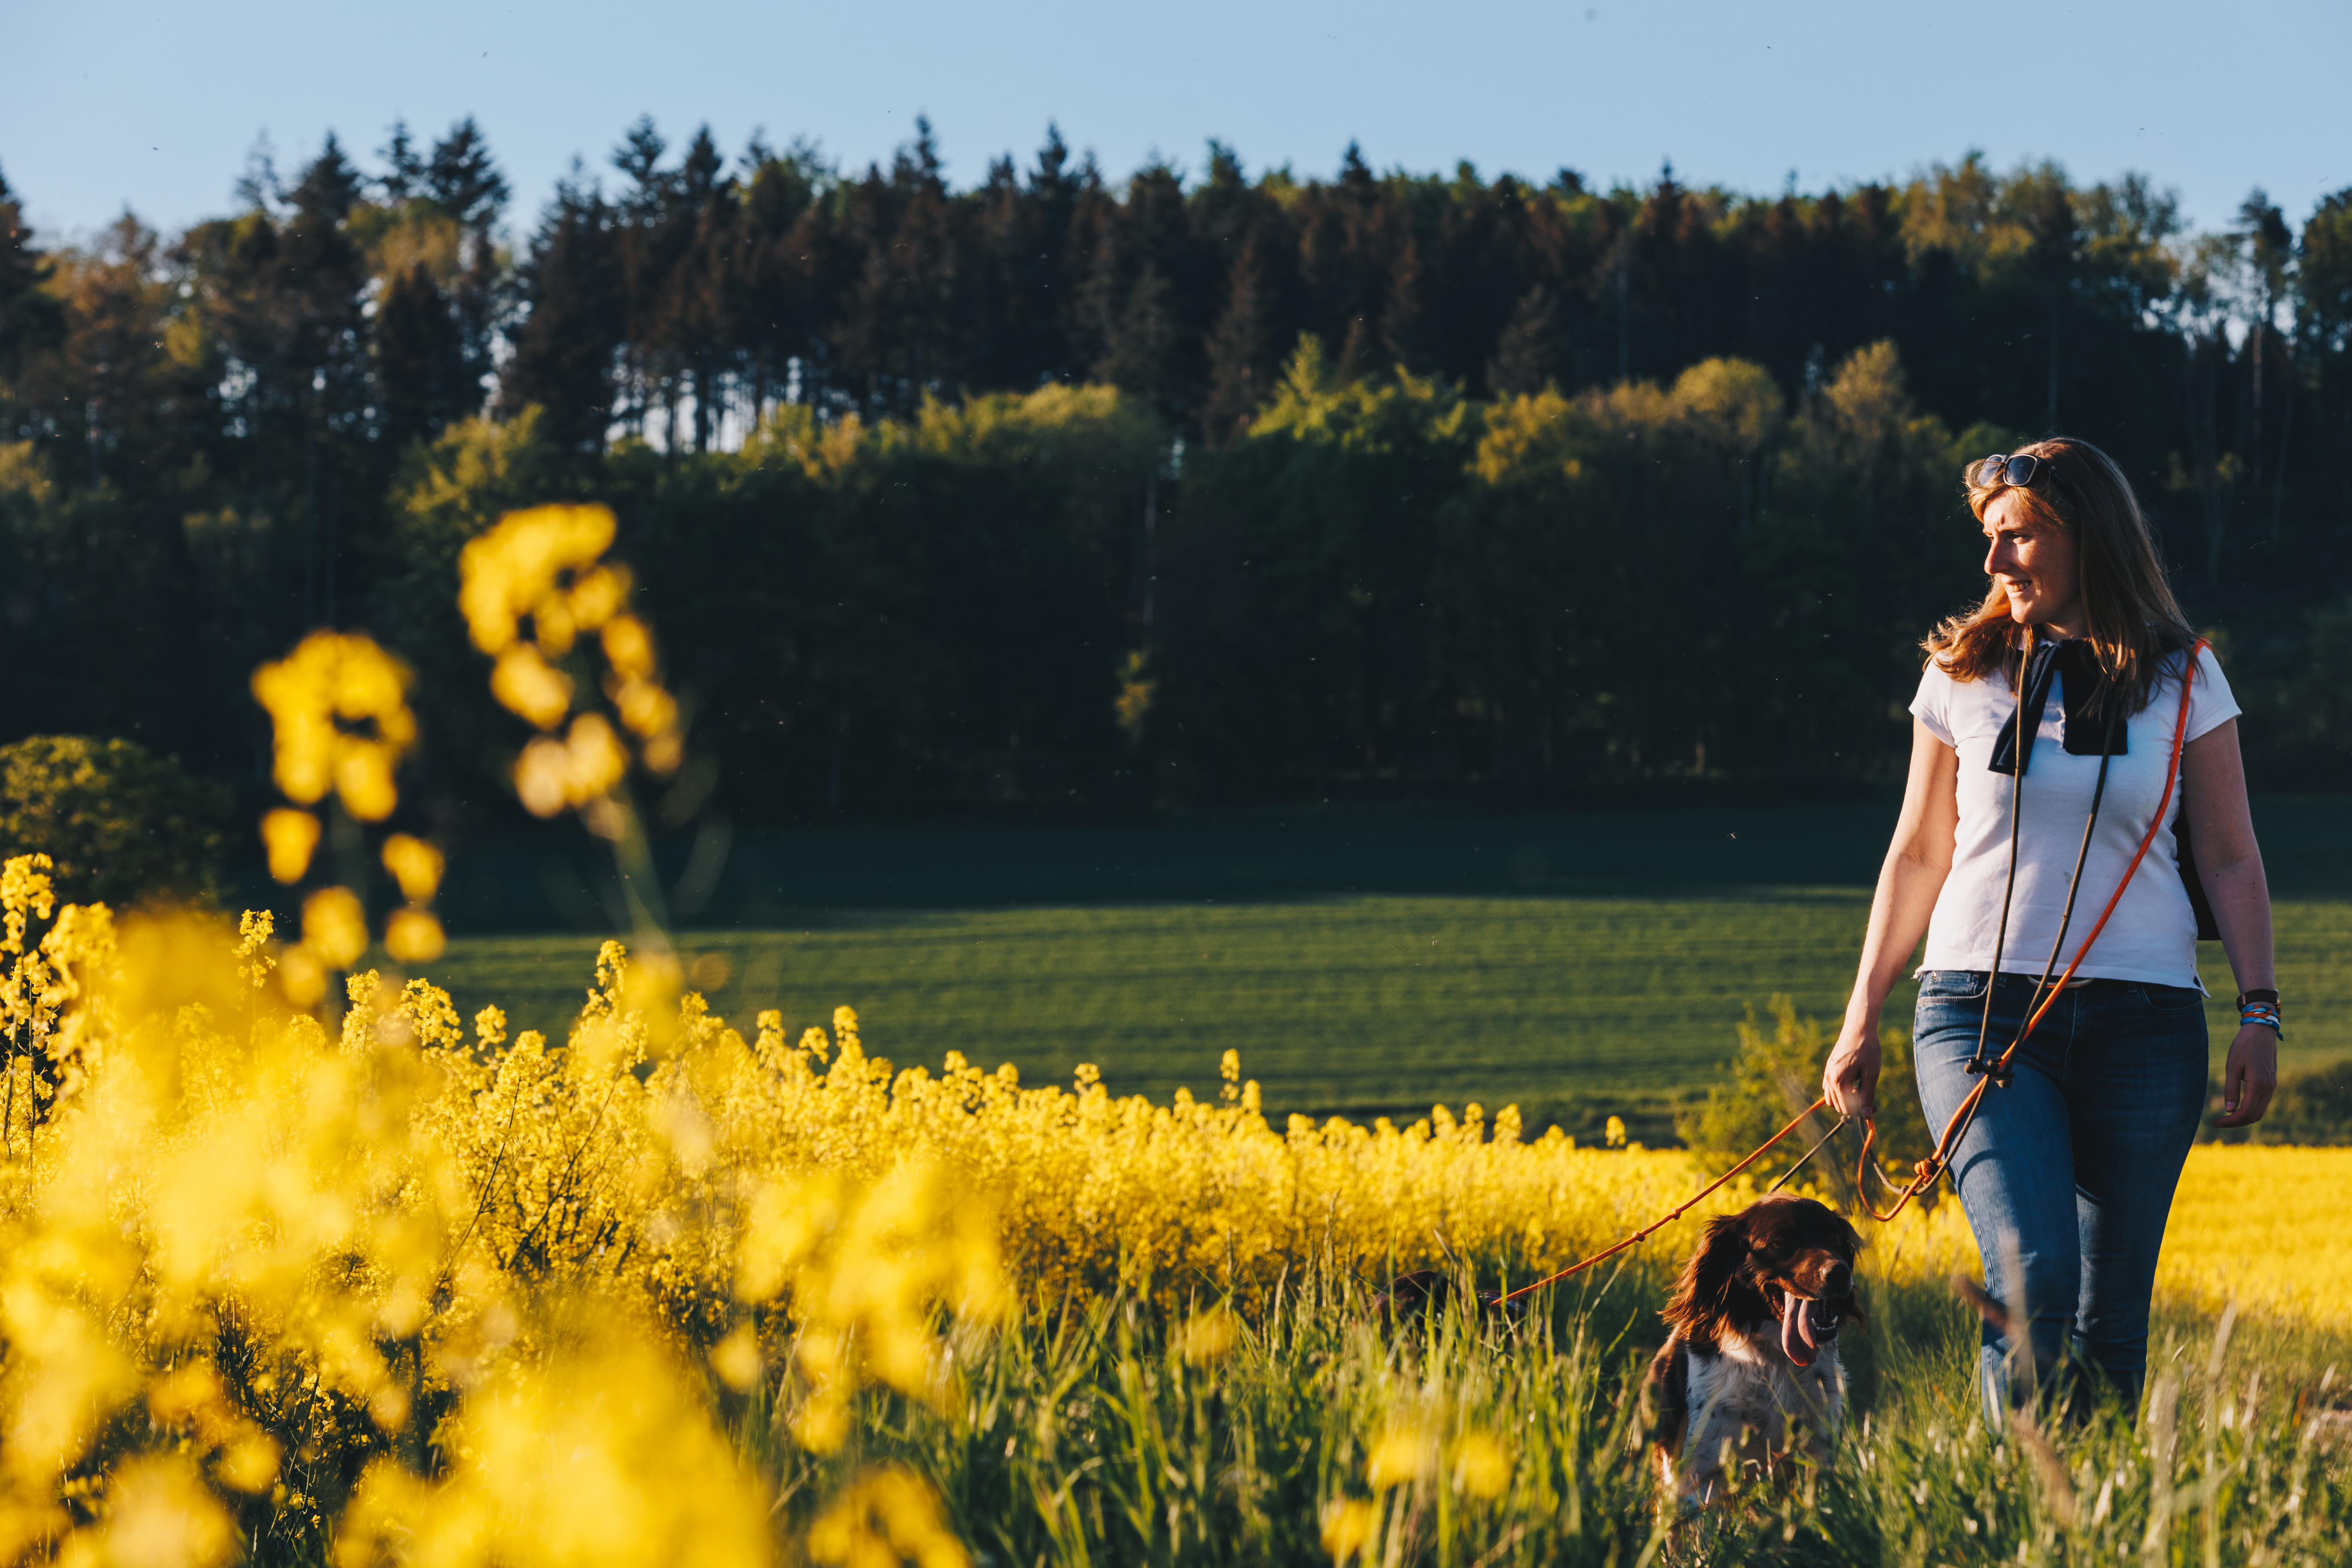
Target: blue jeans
point(2067, 1172)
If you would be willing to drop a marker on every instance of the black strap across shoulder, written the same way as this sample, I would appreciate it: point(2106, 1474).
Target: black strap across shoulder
point(2075, 668)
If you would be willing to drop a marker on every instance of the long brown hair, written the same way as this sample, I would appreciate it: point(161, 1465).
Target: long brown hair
point(2134, 621)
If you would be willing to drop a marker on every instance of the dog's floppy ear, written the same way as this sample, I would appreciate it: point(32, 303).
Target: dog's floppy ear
point(1702, 1296)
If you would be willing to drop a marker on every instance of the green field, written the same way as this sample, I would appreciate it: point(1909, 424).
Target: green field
point(1576, 965)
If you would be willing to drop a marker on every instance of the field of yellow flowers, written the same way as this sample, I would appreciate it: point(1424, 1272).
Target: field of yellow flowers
point(413, 1291)
point(299, 1266)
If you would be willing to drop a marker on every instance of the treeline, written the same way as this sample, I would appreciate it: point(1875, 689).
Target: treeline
point(1223, 488)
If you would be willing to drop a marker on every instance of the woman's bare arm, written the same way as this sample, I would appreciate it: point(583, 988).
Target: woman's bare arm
point(2229, 863)
point(1917, 861)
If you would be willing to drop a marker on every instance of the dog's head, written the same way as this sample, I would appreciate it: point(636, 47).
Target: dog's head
point(1785, 1260)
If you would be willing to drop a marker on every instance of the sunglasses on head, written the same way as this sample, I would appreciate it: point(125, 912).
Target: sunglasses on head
point(2004, 469)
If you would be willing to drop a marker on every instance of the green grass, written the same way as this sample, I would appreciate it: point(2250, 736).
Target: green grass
point(1083, 1434)
point(1576, 965)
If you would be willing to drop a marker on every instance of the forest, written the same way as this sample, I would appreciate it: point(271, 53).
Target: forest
point(1193, 488)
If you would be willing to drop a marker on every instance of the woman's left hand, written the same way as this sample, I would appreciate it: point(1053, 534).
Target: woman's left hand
point(2250, 1077)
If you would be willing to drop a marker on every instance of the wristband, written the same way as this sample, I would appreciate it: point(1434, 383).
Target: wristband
point(2259, 1007)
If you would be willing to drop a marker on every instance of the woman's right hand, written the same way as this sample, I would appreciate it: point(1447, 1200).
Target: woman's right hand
point(1850, 1078)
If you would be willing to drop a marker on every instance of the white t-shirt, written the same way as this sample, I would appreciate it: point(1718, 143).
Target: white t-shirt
point(2152, 936)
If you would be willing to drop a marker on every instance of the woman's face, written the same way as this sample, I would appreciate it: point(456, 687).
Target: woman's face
point(2034, 562)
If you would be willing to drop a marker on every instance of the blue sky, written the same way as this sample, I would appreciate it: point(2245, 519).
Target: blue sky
point(109, 102)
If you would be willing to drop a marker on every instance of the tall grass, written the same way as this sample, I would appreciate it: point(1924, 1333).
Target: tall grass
point(1086, 1434)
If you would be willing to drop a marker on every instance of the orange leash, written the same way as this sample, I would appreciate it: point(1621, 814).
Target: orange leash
point(1652, 1229)
point(1928, 1169)
point(1926, 1172)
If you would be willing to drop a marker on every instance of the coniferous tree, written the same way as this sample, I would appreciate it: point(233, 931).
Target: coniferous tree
point(31, 321)
point(420, 360)
point(464, 182)
point(403, 180)
point(1532, 352)
point(2324, 326)
point(785, 259)
point(568, 354)
point(1241, 354)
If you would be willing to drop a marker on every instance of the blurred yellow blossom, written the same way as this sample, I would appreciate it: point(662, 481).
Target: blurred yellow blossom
point(1404, 1451)
point(301, 976)
point(644, 707)
point(290, 836)
point(517, 569)
point(885, 1518)
point(1208, 1337)
point(736, 1359)
point(597, 595)
point(528, 685)
point(1348, 1526)
point(1482, 1466)
point(665, 751)
point(629, 647)
point(598, 1454)
point(334, 927)
point(339, 707)
point(158, 1512)
point(416, 865)
point(414, 936)
point(551, 775)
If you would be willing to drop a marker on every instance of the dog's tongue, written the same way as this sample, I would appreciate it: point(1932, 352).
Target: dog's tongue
point(1796, 1331)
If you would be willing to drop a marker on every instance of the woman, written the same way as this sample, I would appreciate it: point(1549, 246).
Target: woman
point(2067, 1170)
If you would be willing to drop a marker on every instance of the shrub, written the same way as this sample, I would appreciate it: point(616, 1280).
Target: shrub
point(2313, 1107)
point(124, 826)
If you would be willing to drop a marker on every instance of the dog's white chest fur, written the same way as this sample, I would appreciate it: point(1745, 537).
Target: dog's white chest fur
point(1749, 1403)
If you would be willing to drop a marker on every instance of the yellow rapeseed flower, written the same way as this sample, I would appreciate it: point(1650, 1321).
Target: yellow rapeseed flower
point(334, 927)
point(338, 709)
point(664, 752)
point(597, 595)
point(290, 836)
point(416, 865)
point(629, 647)
point(414, 936)
point(1348, 1526)
point(1404, 1451)
point(886, 1517)
point(301, 976)
point(516, 569)
point(27, 893)
point(644, 708)
point(585, 766)
point(1482, 1466)
point(603, 1454)
point(528, 685)
point(1208, 1337)
point(736, 1359)
point(159, 1511)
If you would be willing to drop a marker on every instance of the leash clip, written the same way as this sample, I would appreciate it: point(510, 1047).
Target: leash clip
point(2001, 1075)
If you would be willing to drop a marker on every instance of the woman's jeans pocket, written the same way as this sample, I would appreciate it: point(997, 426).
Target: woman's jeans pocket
point(2182, 999)
point(1941, 988)
point(1945, 985)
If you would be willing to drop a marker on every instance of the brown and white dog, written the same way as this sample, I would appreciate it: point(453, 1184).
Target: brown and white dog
point(1750, 1375)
